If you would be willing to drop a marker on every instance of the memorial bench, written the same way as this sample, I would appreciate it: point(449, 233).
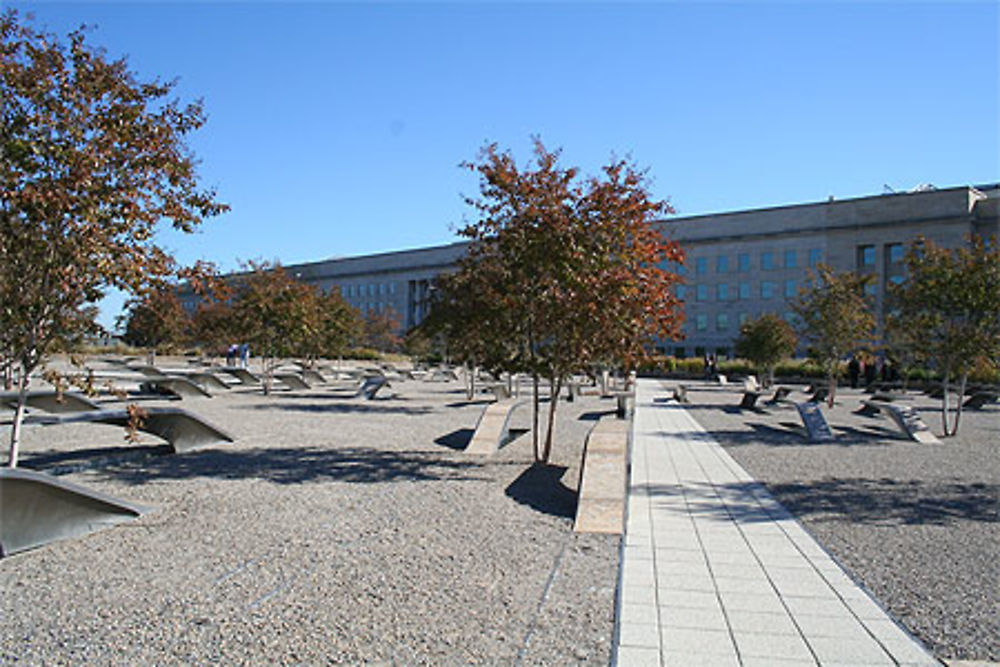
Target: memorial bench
point(51, 401)
point(241, 374)
point(681, 394)
point(980, 399)
point(600, 504)
point(817, 428)
point(371, 386)
point(780, 394)
point(183, 430)
point(39, 508)
point(493, 429)
point(292, 380)
point(173, 386)
point(906, 418)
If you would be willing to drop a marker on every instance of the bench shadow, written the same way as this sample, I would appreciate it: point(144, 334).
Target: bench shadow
point(292, 465)
point(540, 487)
point(457, 439)
point(462, 404)
point(595, 415)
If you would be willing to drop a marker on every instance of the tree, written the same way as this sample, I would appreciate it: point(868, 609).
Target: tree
point(950, 301)
point(332, 325)
point(379, 330)
point(835, 317)
point(765, 341)
point(272, 313)
point(92, 160)
point(156, 318)
point(567, 271)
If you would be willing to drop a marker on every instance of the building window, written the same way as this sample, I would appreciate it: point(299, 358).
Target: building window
point(866, 256)
point(768, 289)
point(894, 253)
point(680, 352)
point(744, 291)
point(790, 289)
point(701, 293)
point(896, 280)
point(701, 266)
point(701, 322)
point(392, 288)
point(815, 256)
point(767, 260)
point(721, 321)
point(743, 318)
point(871, 290)
point(744, 261)
point(722, 292)
point(722, 264)
point(790, 259)
point(680, 291)
point(790, 317)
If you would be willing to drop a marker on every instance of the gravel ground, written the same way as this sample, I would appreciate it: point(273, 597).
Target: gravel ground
point(918, 525)
point(331, 531)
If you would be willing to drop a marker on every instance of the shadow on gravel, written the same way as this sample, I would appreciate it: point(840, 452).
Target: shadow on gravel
point(596, 415)
point(462, 404)
point(296, 465)
point(871, 501)
point(892, 502)
point(457, 439)
point(64, 462)
point(540, 487)
point(342, 408)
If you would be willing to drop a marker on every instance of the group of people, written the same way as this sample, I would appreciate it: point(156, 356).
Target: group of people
point(238, 352)
point(871, 369)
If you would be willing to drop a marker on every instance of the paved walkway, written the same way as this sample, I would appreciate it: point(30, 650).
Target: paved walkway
point(716, 572)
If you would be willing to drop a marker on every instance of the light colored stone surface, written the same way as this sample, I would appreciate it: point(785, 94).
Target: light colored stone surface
point(714, 541)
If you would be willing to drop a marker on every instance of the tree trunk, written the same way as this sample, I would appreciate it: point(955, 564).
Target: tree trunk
point(15, 430)
point(554, 389)
point(534, 415)
point(961, 397)
point(945, 408)
point(831, 387)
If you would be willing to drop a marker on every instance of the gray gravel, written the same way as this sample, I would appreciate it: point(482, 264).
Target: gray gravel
point(918, 525)
point(332, 531)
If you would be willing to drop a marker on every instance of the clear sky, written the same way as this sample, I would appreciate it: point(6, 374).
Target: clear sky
point(337, 128)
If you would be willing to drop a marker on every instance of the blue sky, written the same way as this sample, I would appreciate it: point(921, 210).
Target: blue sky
point(337, 128)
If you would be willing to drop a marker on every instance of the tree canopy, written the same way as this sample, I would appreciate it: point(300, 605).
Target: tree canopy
point(947, 311)
point(835, 317)
point(563, 272)
point(765, 341)
point(92, 159)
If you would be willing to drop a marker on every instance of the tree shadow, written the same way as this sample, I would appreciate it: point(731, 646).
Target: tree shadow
point(856, 500)
point(457, 439)
point(295, 465)
point(540, 487)
point(343, 408)
point(55, 462)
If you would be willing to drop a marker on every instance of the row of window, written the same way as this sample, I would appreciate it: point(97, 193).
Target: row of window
point(371, 289)
point(767, 261)
point(894, 253)
point(723, 321)
point(742, 291)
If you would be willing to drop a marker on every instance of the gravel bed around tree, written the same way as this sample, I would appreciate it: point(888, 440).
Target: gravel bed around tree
point(332, 531)
point(917, 525)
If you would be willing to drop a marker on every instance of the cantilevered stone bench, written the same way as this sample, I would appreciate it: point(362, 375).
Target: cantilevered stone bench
point(493, 430)
point(817, 430)
point(183, 430)
point(908, 421)
point(175, 386)
point(292, 380)
point(749, 401)
point(39, 508)
point(207, 381)
point(681, 394)
point(49, 401)
point(371, 386)
point(241, 374)
point(780, 394)
point(981, 399)
point(309, 375)
point(600, 504)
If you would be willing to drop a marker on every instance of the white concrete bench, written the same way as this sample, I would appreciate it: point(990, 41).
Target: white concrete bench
point(49, 401)
point(908, 421)
point(493, 429)
point(601, 499)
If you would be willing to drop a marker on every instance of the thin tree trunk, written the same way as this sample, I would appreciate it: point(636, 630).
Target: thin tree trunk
point(831, 388)
point(554, 389)
point(15, 431)
point(534, 415)
point(961, 397)
point(945, 407)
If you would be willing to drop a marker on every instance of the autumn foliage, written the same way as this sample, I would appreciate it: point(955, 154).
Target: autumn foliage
point(563, 272)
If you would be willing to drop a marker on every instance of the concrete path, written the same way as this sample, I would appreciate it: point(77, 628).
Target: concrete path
point(716, 572)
